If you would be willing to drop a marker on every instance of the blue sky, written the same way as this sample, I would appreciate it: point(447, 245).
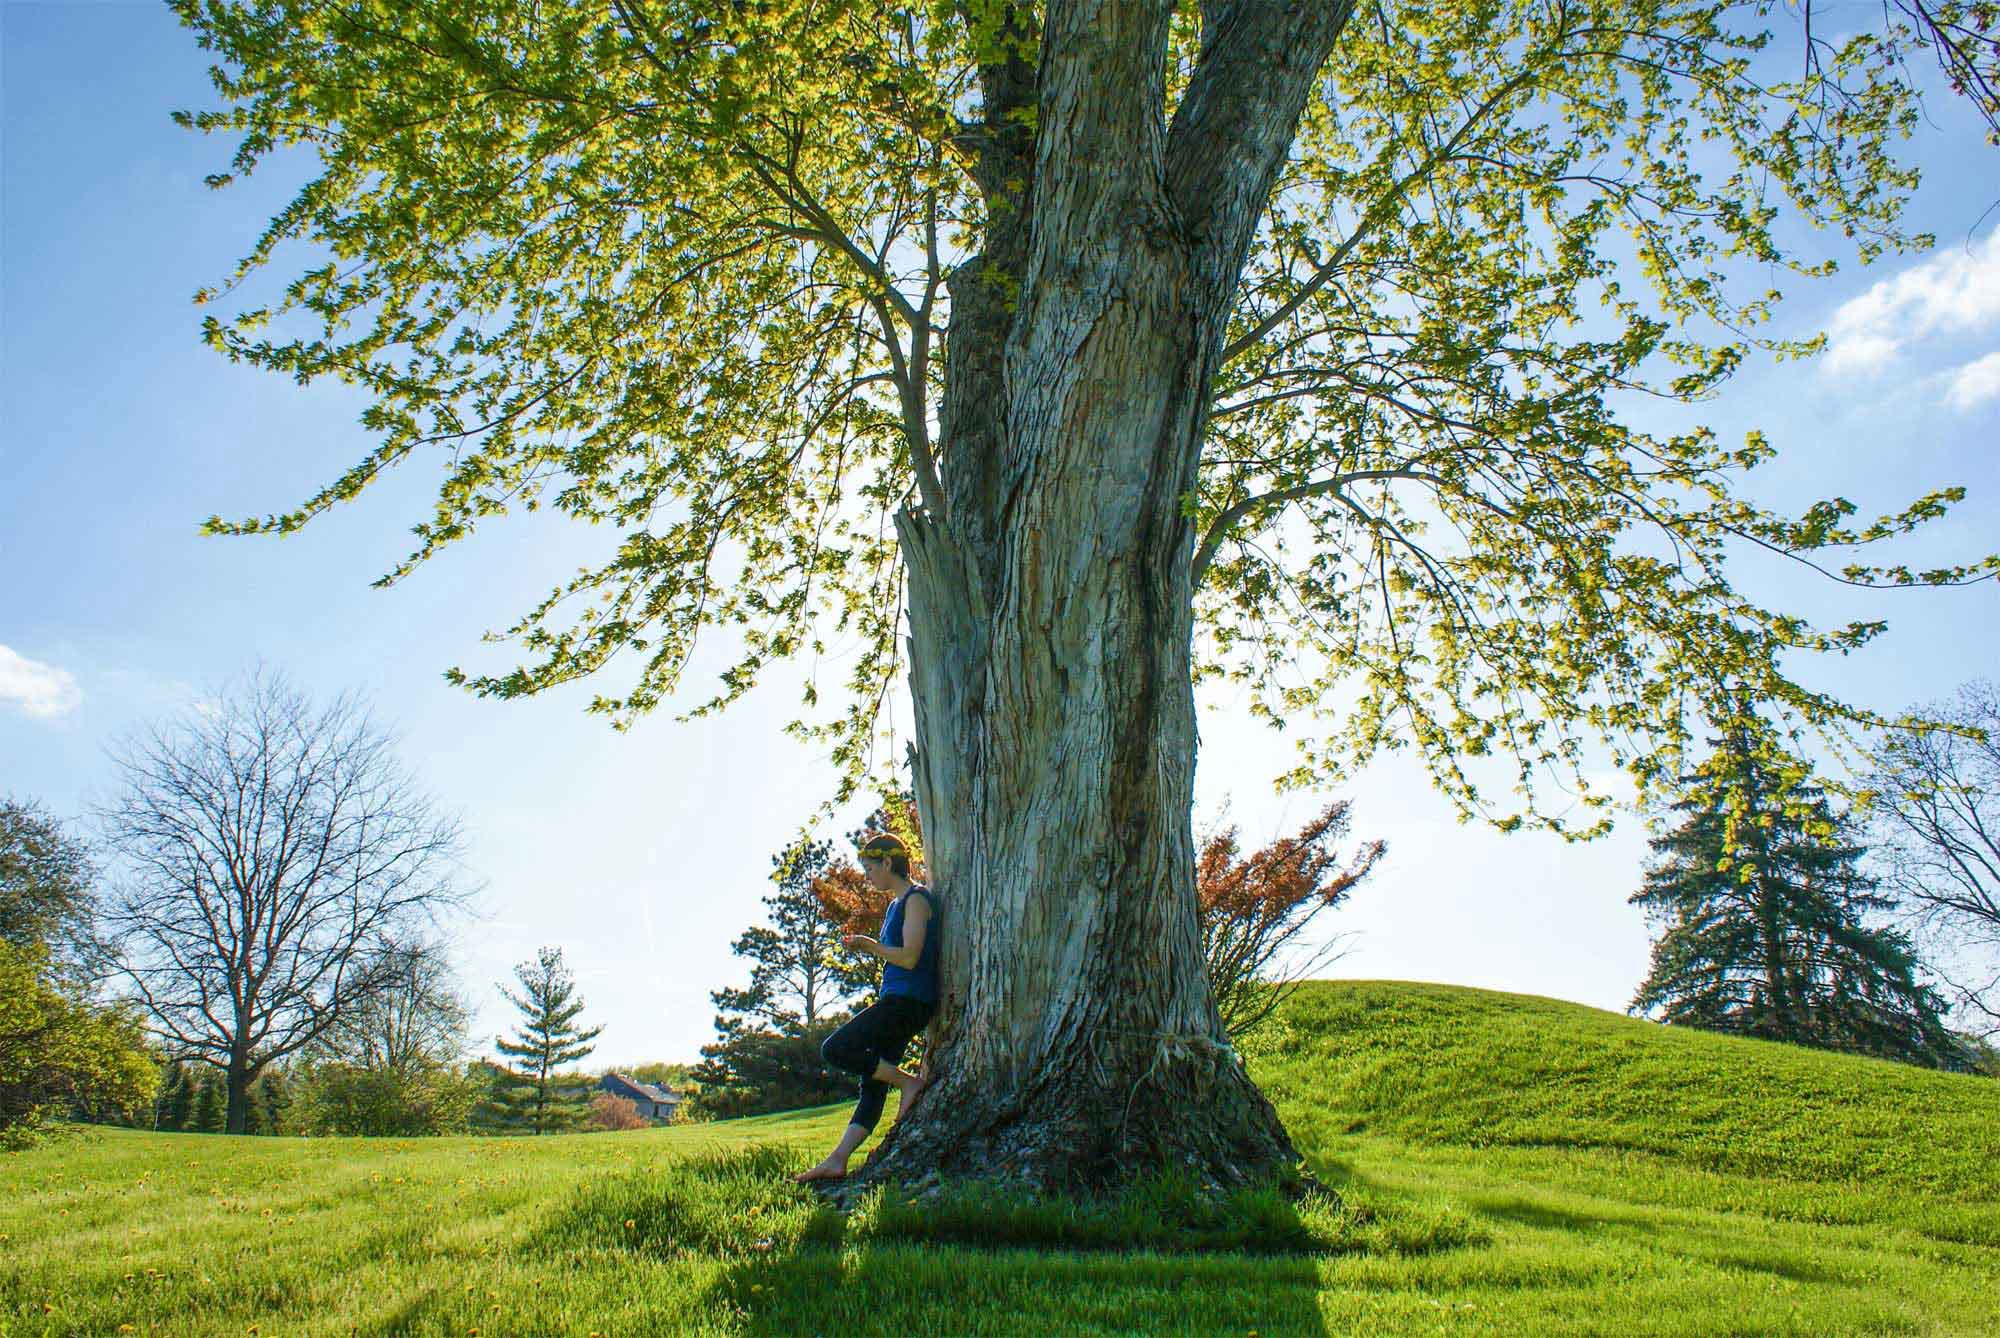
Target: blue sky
point(643, 854)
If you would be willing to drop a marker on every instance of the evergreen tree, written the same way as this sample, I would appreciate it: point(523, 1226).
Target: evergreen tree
point(757, 1071)
point(766, 1053)
point(270, 1097)
point(210, 1105)
point(535, 1094)
point(175, 1104)
point(505, 1101)
point(799, 971)
point(1762, 902)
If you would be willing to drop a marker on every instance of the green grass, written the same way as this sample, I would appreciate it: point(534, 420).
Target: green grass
point(1507, 1165)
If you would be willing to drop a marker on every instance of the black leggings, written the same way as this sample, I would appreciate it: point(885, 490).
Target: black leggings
point(879, 1032)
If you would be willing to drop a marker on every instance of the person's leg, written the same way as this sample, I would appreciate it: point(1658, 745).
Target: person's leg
point(883, 1028)
point(855, 1046)
point(907, 1022)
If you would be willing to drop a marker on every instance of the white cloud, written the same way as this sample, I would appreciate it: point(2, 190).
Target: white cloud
point(1862, 354)
point(1956, 291)
point(35, 688)
point(1975, 383)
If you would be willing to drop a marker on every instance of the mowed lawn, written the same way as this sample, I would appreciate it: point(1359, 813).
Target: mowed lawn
point(1507, 1164)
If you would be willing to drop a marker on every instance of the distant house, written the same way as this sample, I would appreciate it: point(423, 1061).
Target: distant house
point(654, 1103)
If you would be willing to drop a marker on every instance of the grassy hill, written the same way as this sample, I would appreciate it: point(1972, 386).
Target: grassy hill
point(1508, 1164)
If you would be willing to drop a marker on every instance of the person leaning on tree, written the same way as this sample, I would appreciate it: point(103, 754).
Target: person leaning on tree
point(872, 1042)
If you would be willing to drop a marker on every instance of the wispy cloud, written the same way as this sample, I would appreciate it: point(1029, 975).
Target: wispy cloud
point(1955, 291)
point(1975, 383)
point(36, 689)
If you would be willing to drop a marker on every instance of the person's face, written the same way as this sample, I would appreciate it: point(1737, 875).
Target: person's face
point(877, 871)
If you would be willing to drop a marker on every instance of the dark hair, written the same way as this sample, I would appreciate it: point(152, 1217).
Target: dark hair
point(884, 846)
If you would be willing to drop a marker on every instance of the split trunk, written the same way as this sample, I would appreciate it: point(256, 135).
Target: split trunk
point(1051, 619)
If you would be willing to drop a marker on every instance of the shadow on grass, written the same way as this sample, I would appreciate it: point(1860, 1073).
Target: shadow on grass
point(1158, 1258)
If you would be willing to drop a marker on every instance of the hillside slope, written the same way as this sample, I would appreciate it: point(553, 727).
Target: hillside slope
point(1476, 1068)
point(1509, 1165)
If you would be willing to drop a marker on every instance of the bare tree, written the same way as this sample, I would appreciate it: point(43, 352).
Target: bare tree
point(1937, 817)
point(269, 855)
point(414, 1021)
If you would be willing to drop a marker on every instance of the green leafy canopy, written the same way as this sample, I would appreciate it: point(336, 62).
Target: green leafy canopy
point(681, 268)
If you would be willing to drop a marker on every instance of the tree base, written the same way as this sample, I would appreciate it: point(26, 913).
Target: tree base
point(1192, 1114)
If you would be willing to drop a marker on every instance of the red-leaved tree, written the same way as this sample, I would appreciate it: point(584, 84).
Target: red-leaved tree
point(1253, 909)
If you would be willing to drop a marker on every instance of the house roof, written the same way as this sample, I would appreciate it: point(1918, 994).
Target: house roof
point(644, 1090)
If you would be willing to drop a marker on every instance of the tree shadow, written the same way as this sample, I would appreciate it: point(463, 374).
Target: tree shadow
point(898, 1287)
point(793, 1264)
point(1707, 1245)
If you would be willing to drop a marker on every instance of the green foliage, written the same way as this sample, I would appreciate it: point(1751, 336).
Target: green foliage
point(756, 1071)
point(1762, 907)
point(46, 897)
point(673, 1077)
point(271, 1102)
point(536, 1095)
point(679, 268)
point(336, 1098)
point(62, 1056)
point(511, 1102)
point(211, 1104)
point(174, 1105)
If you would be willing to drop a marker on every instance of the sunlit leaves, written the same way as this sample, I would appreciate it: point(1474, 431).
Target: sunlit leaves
point(677, 269)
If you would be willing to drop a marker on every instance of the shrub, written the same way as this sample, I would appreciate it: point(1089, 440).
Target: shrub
point(346, 1099)
point(612, 1113)
point(60, 1055)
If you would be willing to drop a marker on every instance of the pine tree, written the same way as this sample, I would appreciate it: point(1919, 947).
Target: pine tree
point(269, 1097)
point(210, 1105)
point(1762, 906)
point(175, 1104)
point(766, 1053)
point(799, 971)
point(537, 1095)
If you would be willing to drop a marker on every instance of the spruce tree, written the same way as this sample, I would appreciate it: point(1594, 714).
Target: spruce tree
point(1762, 904)
point(535, 1095)
point(269, 1097)
point(210, 1105)
point(175, 1104)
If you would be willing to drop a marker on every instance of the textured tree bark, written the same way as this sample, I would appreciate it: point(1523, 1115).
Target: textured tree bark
point(1052, 620)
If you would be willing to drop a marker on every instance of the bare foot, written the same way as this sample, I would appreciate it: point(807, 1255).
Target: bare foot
point(911, 1095)
point(826, 1170)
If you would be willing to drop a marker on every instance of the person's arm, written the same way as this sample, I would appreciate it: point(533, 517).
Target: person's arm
point(916, 923)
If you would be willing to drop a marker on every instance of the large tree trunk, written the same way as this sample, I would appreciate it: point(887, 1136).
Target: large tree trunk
point(1079, 1042)
point(1051, 607)
point(237, 1081)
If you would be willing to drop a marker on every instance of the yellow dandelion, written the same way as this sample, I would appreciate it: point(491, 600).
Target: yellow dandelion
point(630, 1224)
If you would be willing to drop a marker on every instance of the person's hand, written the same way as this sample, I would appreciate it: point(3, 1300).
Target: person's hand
point(858, 942)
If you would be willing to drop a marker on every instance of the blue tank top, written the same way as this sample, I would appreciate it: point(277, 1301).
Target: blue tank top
point(919, 981)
